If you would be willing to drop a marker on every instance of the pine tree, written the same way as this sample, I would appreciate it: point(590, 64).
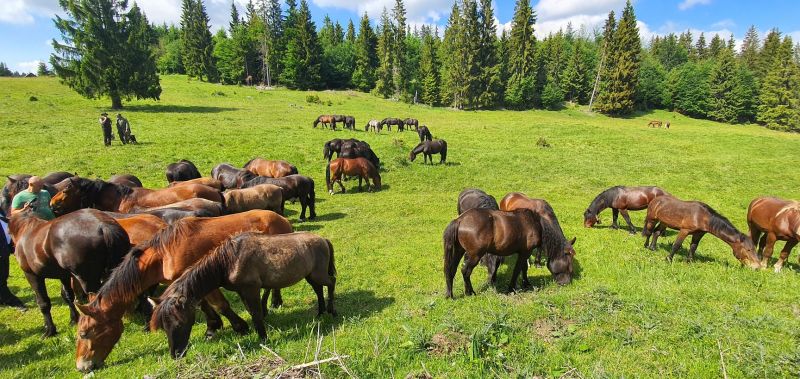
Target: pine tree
point(365, 57)
point(454, 61)
point(521, 44)
point(234, 17)
point(747, 93)
point(489, 81)
point(429, 67)
point(768, 53)
point(472, 37)
point(652, 80)
point(400, 51)
point(301, 63)
point(618, 97)
point(724, 104)
point(384, 84)
point(685, 41)
point(41, 69)
point(780, 93)
point(750, 46)
point(106, 52)
point(4, 71)
point(700, 48)
point(198, 46)
point(350, 37)
point(716, 46)
point(608, 53)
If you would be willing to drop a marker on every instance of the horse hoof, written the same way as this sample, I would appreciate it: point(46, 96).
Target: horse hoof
point(49, 333)
point(330, 192)
point(301, 219)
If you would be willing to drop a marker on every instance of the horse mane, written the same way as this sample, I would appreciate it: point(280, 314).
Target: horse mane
point(602, 199)
point(793, 206)
point(553, 240)
point(719, 223)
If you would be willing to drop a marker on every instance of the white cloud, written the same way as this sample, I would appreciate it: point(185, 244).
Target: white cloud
point(726, 23)
point(417, 11)
point(23, 11)
point(549, 10)
point(31, 66)
point(686, 4)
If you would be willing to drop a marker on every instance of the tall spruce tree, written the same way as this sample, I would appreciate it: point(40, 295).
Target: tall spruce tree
point(489, 81)
point(454, 55)
point(301, 62)
point(429, 67)
point(619, 96)
point(384, 75)
point(350, 37)
point(607, 53)
point(471, 34)
point(724, 104)
point(106, 52)
point(716, 46)
point(365, 56)
point(748, 55)
point(700, 47)
point(521, 45)
point(198, 46)
point(400, 51)
point(780, 92)
point(234, 17)
point(768, 53)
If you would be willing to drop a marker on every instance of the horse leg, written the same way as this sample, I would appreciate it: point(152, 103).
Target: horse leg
point(43, 301)
point(659, 230)
point(678, 242)
point(311, 202)
point(624, 213)
point(339, 180)
point(755, 234)
point(768, 249)
point(522, 259)
point(360, 181)
point(615, 215)
point(450, 267)
point(213, 321)
point(277, 298)
point(318, 290)
point(219, 303)
point(251, 299)
point(331, 291)
point(787, 249)
point(303, 205)
point(69, 297)
point(470, 261)
point(695, 241)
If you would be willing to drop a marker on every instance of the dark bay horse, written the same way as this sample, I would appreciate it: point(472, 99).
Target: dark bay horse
point(696, 219)
point(474, 198)
point(389, 121)
point(163, 259)
point(231, 177)
point(182, 170)
point(771, 219)
point(326, 120)
point(272, 169)
point(19, 182)
point(84, 245)
point(360, 167)
point(210, 182)
point(428, 148)
point(350, 122)
point(424, 134)
point(478, 232)
point(409, 122)
point(330, 147)
point(517, 200)
point(294, 187)
point(353, 148)
point(126, 180)
point(187, 208)
point(621, 199)
point(246, 264)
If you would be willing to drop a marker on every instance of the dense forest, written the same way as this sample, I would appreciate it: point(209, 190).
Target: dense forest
point(469, 65)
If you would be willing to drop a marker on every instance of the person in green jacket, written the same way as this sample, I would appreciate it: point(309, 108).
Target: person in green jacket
point(35, 190)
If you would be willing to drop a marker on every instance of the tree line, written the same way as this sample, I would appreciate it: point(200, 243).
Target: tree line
point(469, 66)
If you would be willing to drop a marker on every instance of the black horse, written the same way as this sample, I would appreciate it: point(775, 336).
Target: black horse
point(19, 182)
point(389, 121)
point(182, 170)
point(350, 122)
point(129, 180)
point(294, 187)
point(472, 198)
point(409, 122)
point(349, 148)
point(424, 134)
point(428, 148)
point(230, 176)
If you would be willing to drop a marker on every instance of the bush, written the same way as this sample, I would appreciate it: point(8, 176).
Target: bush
point(33, 98)
point(313, 99)
point(217, 93)
point(542, 142)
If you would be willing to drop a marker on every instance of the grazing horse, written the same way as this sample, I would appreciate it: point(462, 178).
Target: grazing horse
point(231, 177)
point(126, 180)
point(204, 207)
point(249, 80)
point(353, 148)
point(696, 219)
point(389, 121)
point(326, 120)
point(474, 198)
point(360, 167)
point(330, 147)
point(776, 219)
point(164, 259)
point(78, 193)
point(182, 170)
point(424, 134)
point(478, 232)
point(409, 122)
point(294, 187)
point(654, 124)
point(428, 148)
point(83, 245)
point(209, 182)
point(262, 196)
point(350, 122)
point(375, 125)
point(517, 200)
point(272, 169)
point(246, 264)
point(621, 199)
point(338, 118)
point(139, 227)
point(19, 182)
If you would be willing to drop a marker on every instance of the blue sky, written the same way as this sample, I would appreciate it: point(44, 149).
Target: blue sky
point(26, 26)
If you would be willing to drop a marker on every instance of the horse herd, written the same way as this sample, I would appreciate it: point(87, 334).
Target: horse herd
point(376, 126)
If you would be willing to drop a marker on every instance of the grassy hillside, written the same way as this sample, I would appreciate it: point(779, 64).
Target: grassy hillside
point(628, 313)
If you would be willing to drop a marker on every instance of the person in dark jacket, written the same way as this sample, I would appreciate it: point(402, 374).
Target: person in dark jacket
point(6, 297)
point(105, 123)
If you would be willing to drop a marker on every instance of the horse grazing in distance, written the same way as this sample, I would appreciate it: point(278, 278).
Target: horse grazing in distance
point(182, 170)
point(84, 245)
point(424, 134)
point(272, 169)
point(231, 177)
point(621, 199)
point(350, 122)
point(375, 125)
point(208, 182)
point(654, 124)
point(19, 182)
point(263, 196)
point(474, 198)
point(246, 264)
point(696, 219)
point(294, 187)
point(478, 232)
point(326, 120)
point(389, 121)
point(360, 167)
point(409, 122)
point(126, 180)
point(771, 219)
point(248, 80)
point(428, 148)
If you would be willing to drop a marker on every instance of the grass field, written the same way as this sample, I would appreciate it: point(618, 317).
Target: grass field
point(628, 313)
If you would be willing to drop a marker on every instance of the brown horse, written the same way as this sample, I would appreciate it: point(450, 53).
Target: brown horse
point(272, 169)
point(409, 122)
point(428, 148)
point(474, 198)
point(77, 193)
point(654, 124)
point(83, 245)
point(326, 120)
point(620, 199)
point(246, 264)
point(181, 171)
point(776, 219)
point(210, 182)
point(126, 180)
point(517, 200)
point(263, 196)
point(478, 232)
point(360, 167)
point(696, 219)
point(231, 177)
point(139, 227)
point(163, 259)
point(294, 187)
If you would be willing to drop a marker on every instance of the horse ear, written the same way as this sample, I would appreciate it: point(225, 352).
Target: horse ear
point(11, 180)
point(572, 242)
point(85, 309)
point(92, 296)
point(153, 301)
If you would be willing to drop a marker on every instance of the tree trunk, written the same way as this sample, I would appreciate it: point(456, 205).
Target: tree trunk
point(116, 101)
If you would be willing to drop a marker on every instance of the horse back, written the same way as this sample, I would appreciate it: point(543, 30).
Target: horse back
point(279, 261)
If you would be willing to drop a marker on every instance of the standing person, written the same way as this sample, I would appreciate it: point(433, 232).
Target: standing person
point(105, 123)
point(124, 129)
point(35, 191)
point(6, 297)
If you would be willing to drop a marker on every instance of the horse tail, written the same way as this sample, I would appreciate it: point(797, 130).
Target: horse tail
point(444, 151)
point(451, 257)
point(331, 261)
point(328, 175)
point(117, 243)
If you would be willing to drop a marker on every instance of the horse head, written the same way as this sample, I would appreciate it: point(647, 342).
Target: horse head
point(97, 335)
point(590, 218)
point(561, 266)
point(744, 251)
point(176, 316)
point(69, 196)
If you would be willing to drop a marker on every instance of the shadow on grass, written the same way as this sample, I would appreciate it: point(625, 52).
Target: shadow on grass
point(329, 216)
point(664, 248)
point(163, 108)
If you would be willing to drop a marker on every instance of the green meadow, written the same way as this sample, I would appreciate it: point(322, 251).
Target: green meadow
point(627, 313)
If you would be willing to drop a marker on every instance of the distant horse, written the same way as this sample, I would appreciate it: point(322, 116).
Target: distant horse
point(246, 264)
point(654, 124)
point(209, 182)
point(83, 245)
point(350, 122)
point(326, 120)
point(249, 80)
point(474, 198)
point(263, 196)
point(163, 259)
point(696, 219)
point(478, 232)
point(231, 177)
point(294, 187)
point(776, 219)
point(272, 169)
point(375, 125)
point(139, 227)
point(428, 148)
point(360, 167)
point(621, 199)
point(19, 182)
point(424, 134)
point(389, 121)
point(409, 122)
point(338, 118)
point(182, 170)
point(126, 180)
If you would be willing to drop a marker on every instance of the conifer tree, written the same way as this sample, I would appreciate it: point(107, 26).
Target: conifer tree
point(429, 67)
point(700, 47)
point(716, 46)
point(301, 62)
point(618, 97)
point(748, 54)
point(779, 106)
point(198, 46)
point(399, 51)
point(652, 80)
point(384, 84)
point(472, 38)
point(234, 16)
point(768, 53)
point(454, 61)
point(521, 44)
point(365, 57)
point(724, 104)
point(350, 37)
point(489, 80)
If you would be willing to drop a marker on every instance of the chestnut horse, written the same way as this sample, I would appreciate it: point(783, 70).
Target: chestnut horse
point(478, 232)
point(326, 120)
point(696, 219)
point(163, 259)
point(84, 245)
point(77, 193)
point(182, 170)
point(246, 264)
point(428, 148)
point(360, 167)
point(126, 180)
point(19, 182)
point(231, 177)
point(620, 199)
point(210, 182)
point(294, 187)
point(272, 169)
point(263, 196)
point(776, 219)
point(139, 227)
point(474, 198)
